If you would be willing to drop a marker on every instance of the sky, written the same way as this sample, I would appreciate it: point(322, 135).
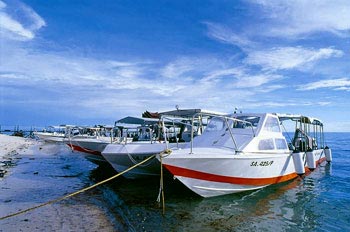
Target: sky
point(92, 62)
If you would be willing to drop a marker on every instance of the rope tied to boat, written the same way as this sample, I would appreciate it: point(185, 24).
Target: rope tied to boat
point(80, 191)
point(161, 184)
point(165, 153)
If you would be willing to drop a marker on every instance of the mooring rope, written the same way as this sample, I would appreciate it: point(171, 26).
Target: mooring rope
point(132, 158)
point(161, 185)
point(80, 191)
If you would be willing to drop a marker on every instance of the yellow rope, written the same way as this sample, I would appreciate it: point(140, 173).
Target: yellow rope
point(167, 151)
point(77, 192)
point(162, 182)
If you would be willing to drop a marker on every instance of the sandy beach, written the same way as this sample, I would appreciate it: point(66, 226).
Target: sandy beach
point(10, 145)
point(35, 173)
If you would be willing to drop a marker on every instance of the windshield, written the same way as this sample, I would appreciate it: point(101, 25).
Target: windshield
point(249, 121)
point(215, 124)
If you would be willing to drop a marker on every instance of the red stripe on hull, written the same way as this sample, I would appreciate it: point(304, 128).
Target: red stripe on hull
point(320, 161)
point(81, 149)
point(178, 171)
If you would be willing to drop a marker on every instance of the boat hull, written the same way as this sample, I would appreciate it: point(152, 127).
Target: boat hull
point(91, 147)
point(124, 156)
point(209, 175)
point(50, 137)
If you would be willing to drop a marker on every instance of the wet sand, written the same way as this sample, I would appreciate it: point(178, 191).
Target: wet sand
point(37, 173)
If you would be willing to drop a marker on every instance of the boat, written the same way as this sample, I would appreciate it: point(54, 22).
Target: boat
point(139, 138)
point(144, 137)
point(52, 134)
point(243, 152)
point(91, 140)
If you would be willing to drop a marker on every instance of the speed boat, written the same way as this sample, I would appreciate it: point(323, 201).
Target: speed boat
point(243, 152)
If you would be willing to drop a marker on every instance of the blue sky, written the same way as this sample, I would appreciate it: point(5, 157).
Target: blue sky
point(89, 62)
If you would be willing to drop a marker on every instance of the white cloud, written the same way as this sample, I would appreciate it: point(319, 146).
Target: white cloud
point(21, 26)
point(92, 83)
point(250, 81)
point(240, 78)
point(336, 84)
point(184, 67)
point(33, 20)
point(14, 28)
point(226, 35)
point(298, 17)
point(280, 104)
point(280, 58)
point(177, 68)
point(270, 88)
point(215, 76)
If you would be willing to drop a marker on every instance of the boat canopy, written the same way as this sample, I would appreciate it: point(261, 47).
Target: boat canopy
point(188, 113)
point(138, 120)
point(300, 118)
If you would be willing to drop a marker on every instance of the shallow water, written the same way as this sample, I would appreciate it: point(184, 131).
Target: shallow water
point(318, 202)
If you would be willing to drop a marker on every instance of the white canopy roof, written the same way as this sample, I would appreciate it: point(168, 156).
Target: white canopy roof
point(302, 118)
point(138, 120)
point(188, 113)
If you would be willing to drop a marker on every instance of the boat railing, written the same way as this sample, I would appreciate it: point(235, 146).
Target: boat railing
point(178, 121)
point(134, 134)
point(83, 132)
point(308, 133)
point(226, 120)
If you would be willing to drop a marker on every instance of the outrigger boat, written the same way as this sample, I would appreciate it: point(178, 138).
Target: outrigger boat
point(244, 152)
point(151, 136)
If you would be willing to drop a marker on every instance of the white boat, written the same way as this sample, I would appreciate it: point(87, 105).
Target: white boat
point(151, 136)
point(139, 138)
point(90, 140)
point(123, 156)
point(245, 152)
point(52, 134)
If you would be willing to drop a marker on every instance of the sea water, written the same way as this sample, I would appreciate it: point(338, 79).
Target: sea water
point(317, 202)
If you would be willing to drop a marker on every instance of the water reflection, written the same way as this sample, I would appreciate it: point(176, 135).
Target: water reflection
point(287, 206)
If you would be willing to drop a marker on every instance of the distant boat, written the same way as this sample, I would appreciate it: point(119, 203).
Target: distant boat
point(52, 134)
point(144, 137)
point(244, 152)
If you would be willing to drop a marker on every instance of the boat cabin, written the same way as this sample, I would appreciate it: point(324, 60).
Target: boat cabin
point(261, 133)
point(244, 132)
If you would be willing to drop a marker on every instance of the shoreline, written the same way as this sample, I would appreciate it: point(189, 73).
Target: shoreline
point(10, 147)
point(42, 172)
